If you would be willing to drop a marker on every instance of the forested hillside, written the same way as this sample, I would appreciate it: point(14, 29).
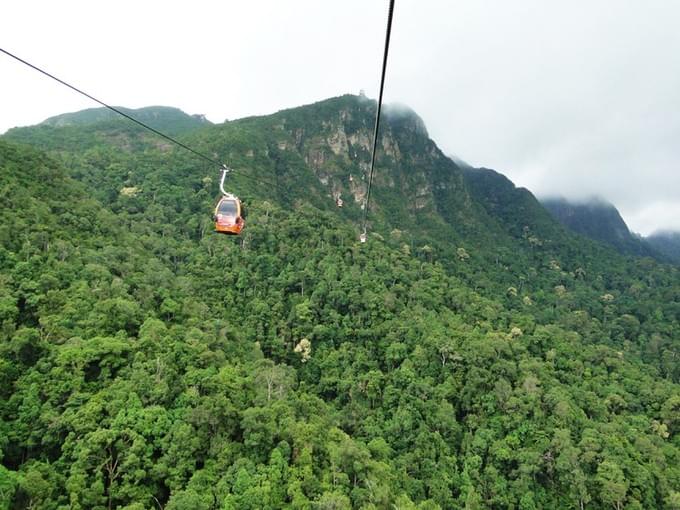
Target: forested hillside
point(169, 120)
point(472, 354)
point(667, 243)
point(601, 221)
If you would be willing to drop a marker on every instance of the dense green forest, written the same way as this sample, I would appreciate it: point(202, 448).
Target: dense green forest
point(472, 354)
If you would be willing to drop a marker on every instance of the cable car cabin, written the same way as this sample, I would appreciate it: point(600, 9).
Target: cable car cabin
point(229, 216)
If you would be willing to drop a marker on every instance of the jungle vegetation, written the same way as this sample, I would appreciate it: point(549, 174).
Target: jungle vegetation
point(472, 354)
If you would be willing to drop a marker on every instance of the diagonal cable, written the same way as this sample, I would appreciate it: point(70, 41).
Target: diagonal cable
point(129, 117)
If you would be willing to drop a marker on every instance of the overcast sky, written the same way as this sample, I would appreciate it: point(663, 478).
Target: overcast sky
point(574, 98)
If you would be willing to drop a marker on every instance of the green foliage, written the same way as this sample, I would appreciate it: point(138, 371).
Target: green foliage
point(145, 362)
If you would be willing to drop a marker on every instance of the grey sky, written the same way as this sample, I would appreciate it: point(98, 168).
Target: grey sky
point(572, 98)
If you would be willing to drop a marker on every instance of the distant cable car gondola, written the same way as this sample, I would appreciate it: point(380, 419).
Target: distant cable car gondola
point(229, 213)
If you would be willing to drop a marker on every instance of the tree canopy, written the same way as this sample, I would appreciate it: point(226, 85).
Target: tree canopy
point(471, 354)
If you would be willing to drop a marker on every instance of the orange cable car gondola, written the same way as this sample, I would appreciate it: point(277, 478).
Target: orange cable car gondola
point(229, 213)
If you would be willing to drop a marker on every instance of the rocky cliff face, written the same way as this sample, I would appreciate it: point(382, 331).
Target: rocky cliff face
point(414, 182)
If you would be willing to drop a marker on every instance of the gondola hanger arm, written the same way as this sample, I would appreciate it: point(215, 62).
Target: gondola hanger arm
point(225, 171)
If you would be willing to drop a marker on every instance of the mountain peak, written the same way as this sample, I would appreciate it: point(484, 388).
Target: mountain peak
point(168, 118)
point(597, 219)
point(667, 242)
point(401, 115)
point(353, 110)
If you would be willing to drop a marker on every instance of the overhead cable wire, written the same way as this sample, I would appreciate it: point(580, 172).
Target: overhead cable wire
point(377, 118)
point(129, 117)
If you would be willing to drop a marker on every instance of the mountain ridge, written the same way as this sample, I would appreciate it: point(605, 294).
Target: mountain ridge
point(601, 221)
point(164, 117)
point(667, 243)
